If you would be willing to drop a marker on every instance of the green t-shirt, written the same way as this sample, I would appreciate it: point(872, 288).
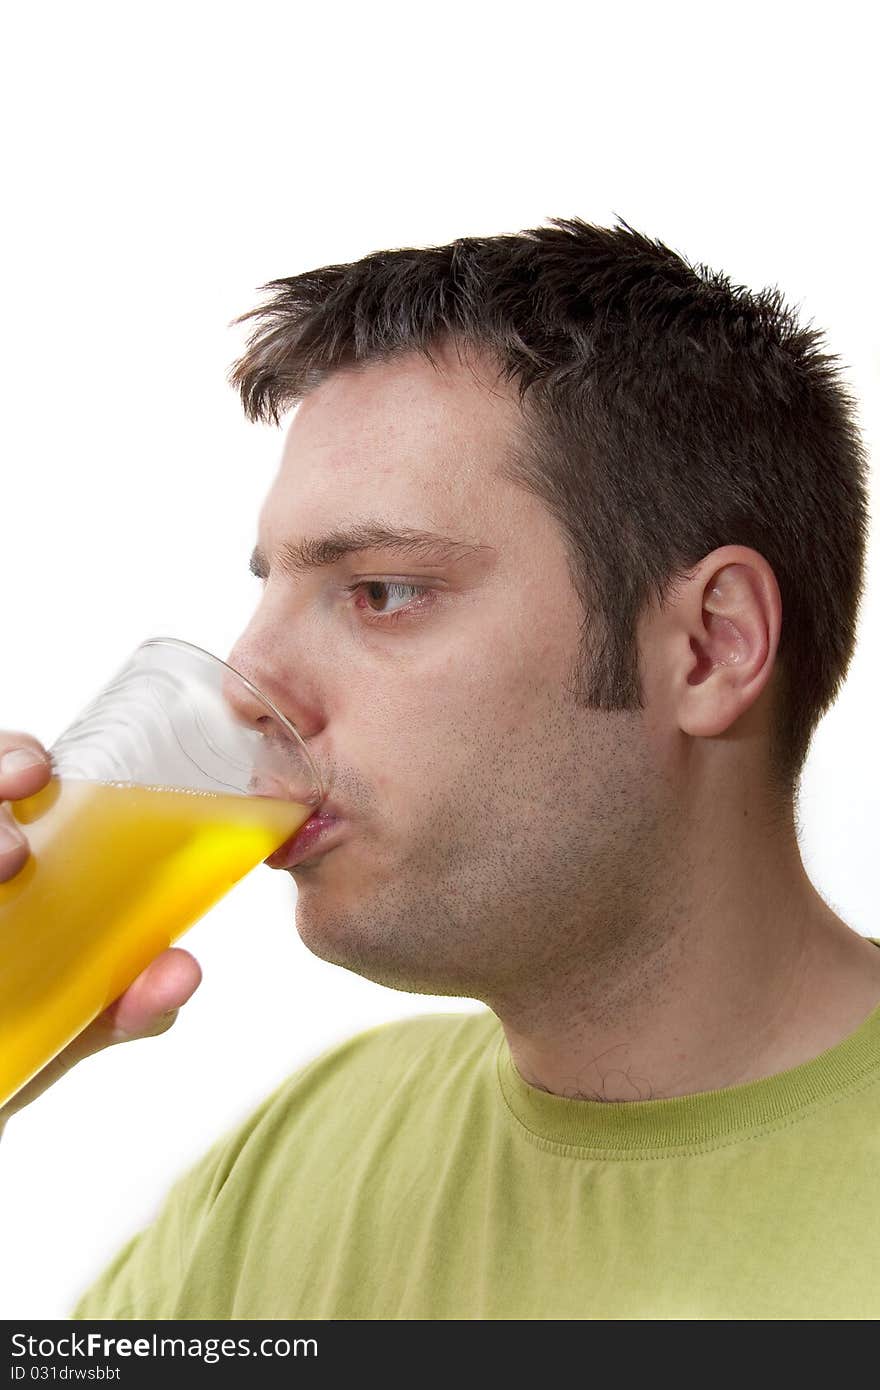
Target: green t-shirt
point(412, 1173)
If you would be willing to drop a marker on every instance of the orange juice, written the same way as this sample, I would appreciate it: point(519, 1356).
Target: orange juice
point(116, 873)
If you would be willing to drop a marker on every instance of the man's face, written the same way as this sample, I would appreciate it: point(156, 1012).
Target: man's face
point(483, 809)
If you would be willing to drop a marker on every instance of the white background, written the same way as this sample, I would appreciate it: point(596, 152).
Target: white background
point(160, 163)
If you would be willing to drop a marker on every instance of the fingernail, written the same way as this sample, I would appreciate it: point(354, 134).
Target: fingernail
point(10, 838)
point(20, 759)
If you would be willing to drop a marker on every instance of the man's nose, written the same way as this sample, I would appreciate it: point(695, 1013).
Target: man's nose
point(282, 688)
point(256, 678)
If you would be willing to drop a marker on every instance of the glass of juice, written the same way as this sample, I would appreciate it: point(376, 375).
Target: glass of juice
point(171, 785)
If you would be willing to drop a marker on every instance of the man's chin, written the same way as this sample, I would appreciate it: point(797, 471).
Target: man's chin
point(345, 942)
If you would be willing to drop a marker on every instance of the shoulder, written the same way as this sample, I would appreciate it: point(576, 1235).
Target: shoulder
point(280, 1151)
point(384, 1058)
point(401, 1061)
point(437, 1036)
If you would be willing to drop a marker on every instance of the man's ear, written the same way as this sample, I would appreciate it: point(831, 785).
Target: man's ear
point(730, 613)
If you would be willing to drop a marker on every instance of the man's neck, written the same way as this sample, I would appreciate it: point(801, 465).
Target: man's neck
point(750, 988)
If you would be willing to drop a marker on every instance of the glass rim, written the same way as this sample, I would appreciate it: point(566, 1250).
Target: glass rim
point(264, 699)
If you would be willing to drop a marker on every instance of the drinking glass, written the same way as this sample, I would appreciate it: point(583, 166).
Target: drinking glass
point(163, 795)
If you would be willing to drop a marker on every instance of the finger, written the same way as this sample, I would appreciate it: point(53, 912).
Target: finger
point(151, 1002)
point(25, 766)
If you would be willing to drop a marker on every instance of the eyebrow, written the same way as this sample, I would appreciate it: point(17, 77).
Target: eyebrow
point(296, 558)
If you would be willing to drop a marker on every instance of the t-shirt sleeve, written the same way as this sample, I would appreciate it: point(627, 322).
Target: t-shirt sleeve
point(143, 1278)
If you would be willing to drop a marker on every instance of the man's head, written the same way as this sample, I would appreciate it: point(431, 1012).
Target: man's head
point(657, 499)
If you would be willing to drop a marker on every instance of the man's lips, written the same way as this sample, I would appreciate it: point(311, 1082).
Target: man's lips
point(307, 840)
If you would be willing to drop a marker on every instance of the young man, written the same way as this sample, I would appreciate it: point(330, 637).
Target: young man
point(561, 568)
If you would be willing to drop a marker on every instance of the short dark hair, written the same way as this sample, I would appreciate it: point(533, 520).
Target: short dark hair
point(664, 413)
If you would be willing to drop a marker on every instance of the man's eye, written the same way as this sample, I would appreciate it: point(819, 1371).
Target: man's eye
point(379, 591)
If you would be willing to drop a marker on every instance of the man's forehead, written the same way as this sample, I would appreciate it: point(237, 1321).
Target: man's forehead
point(450, 393)
point(409, 454)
